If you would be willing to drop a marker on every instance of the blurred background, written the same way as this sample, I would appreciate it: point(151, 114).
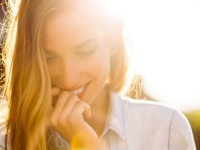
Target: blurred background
point(164, 37)
point(165, 42)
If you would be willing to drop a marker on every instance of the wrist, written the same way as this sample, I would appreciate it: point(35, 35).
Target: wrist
point(84, 145)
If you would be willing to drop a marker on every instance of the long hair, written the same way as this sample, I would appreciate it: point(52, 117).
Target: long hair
point(27, 82)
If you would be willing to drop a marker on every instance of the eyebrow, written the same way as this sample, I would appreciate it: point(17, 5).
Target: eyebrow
point(75, 47)
point(85, 43)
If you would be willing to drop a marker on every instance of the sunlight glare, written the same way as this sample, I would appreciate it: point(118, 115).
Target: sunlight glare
point(165, 38)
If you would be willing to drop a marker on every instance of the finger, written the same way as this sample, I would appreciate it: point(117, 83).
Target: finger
point(87, 111)
point(69, 105)
point(82, 109)
point(62, 99)
point(55, 91)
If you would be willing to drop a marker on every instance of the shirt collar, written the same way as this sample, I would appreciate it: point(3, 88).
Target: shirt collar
point(116, 116)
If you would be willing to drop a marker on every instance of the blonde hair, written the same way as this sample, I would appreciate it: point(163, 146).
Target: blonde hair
point(27, 83)
point(27, 86)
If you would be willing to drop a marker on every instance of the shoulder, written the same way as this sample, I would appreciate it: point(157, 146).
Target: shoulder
point(148, 119)
point(154, 113)
point(141, 107)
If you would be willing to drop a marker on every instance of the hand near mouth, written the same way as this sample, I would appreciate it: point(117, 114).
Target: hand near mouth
point(68, 119)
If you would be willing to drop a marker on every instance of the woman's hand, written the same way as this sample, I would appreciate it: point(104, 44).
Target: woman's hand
point(68, 119)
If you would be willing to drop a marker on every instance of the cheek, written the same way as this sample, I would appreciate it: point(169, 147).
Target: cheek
point(101, 67)
point(53, 72)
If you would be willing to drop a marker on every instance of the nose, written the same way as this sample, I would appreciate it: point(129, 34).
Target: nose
point(70, 74)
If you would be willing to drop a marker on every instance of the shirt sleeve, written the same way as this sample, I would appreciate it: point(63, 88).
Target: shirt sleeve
point(180, 136)
point(2, 137)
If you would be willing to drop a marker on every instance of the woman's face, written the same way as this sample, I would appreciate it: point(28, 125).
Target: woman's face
point(77, 54)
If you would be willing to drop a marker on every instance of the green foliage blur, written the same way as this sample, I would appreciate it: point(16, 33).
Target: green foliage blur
point(194, 118)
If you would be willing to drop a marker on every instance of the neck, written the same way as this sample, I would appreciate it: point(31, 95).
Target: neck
point(100, 111)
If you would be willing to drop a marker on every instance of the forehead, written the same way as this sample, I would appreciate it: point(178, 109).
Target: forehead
point(66, 29)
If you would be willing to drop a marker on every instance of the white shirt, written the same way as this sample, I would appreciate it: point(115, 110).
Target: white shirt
point(138, 125)
point(144, 125)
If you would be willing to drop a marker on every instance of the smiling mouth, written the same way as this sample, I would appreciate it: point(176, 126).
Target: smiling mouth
point(80, 92)
point(77, 91)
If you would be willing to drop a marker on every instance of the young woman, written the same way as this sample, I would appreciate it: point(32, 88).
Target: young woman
point(66, 62)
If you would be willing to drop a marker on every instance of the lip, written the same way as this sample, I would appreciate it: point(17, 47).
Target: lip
point(81, 95)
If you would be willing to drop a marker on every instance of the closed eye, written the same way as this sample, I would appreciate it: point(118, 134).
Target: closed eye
point(50, 57)
point(86, 52)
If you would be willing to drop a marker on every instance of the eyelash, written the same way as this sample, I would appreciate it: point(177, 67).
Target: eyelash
point(86, 53)
point(50, 58)
point(80, 53)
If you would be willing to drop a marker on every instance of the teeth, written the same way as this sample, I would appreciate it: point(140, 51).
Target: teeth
point(75, 92)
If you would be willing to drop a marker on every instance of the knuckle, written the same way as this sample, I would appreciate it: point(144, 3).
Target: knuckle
point(80, 103)
point(53, 122)
point(70, 119)
point(74, 98)
point(64, 94)
point(62, 120)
